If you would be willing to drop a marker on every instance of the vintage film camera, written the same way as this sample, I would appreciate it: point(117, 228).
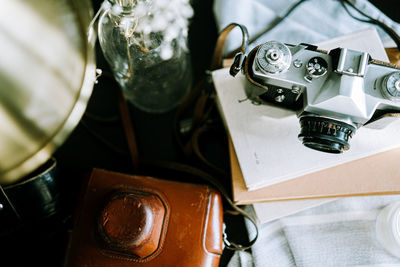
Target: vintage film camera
point(334, 93)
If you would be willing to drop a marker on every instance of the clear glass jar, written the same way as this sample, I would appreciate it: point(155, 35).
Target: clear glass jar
point(144, 42)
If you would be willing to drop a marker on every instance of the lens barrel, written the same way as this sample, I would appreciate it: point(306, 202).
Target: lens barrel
point(325, 134)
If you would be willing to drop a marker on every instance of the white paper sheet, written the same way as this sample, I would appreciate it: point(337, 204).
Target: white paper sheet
point(269, 211)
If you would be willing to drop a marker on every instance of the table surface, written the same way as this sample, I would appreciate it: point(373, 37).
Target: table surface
point(45, 244)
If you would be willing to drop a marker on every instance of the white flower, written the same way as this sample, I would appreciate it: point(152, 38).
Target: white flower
point(171, 32)
point(159, 4)
point(116, 9)
point(106, 5)
point(186, 11)
point(168, 17)
point(166, 52)
point(141, 9)
point(159, 23)
point(127, 25)
point(147, 29)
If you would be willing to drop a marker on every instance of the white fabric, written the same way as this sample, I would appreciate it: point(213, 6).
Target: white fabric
point(311, 22)
point(340, 233)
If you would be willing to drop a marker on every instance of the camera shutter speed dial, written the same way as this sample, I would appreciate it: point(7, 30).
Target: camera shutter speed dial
point(317, 67)
point(273, 57)
point(391, 86)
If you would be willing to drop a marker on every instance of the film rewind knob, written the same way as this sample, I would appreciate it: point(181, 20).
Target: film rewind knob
point(273, 57)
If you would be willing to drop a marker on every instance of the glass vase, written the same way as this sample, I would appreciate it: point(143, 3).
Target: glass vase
point(144, 42)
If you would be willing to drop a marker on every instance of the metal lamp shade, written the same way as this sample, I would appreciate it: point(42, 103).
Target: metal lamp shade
point(47, 72)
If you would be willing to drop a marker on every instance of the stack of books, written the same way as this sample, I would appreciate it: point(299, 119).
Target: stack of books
point(271, 168)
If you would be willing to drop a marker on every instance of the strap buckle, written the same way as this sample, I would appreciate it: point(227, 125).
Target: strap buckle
point(237, 63)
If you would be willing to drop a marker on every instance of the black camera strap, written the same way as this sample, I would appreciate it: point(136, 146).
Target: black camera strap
point(368, 19)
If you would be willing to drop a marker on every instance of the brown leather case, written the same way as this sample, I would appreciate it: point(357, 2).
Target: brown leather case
point(126, 220)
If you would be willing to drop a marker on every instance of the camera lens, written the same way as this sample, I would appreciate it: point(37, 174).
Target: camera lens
point(325, 134)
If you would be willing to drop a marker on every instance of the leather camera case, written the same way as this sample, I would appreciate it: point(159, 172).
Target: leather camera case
point(125, 220)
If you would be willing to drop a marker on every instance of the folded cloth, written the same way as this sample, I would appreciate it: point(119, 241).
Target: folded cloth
point(340, 233)
point(311, 22)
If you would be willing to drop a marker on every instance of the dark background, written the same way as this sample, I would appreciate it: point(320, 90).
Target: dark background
point(44, 243)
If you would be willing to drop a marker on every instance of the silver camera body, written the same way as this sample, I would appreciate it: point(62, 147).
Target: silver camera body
point(334, 93)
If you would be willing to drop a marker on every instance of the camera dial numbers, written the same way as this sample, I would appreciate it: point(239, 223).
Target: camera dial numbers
point(325, 134)
point(317, 67)
point(391, 86)
point(273, 57)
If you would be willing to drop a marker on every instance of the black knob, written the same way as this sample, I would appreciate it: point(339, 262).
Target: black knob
point(317, 67)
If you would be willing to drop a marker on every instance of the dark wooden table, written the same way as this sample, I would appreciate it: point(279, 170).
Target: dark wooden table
point(44, 243)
